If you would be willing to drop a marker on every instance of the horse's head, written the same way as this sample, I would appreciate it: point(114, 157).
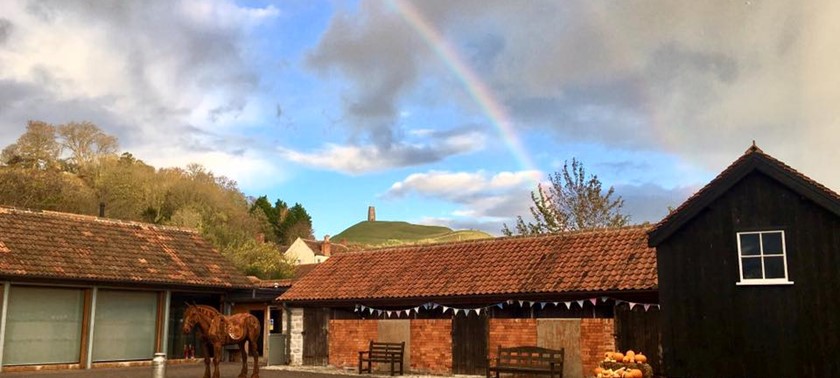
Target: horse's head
point(190, 318)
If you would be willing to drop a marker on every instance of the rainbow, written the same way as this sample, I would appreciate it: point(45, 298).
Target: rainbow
point(467, 76)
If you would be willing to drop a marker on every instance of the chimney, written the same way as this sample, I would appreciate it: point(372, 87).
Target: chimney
point(325, 246)
point(102, 209)
point(371, 214)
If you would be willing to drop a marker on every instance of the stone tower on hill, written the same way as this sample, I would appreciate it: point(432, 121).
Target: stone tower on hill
point(371, 214)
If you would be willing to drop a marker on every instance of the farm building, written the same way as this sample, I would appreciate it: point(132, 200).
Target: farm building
point(82, 292)
point(454, 303)
point(749, 275)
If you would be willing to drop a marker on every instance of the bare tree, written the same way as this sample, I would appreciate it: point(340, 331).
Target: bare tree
point(86, 142)
point(571, 202)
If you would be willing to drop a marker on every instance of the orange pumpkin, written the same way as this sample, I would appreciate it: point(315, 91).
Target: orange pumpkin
point(626, 359)
point(598, 370)
point(637, 373)
point(640, 358)
point(630, 353)
point(618, 356)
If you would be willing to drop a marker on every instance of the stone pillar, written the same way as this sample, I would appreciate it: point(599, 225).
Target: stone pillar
point(296, 332)
point(371, 214)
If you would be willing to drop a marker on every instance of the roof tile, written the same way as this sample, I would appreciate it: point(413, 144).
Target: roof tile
point(588, 261)
point(46, 244)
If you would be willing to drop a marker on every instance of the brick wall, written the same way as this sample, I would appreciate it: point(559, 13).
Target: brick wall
point(596, 337)
point(431, 346)
point(511, 332)
point(347, 338)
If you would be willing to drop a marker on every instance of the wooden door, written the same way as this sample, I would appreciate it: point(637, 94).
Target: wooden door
point(639, 330)
point(469, 344)
point(315, 336)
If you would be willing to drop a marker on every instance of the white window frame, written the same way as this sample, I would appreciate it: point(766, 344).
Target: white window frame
point(762, 281)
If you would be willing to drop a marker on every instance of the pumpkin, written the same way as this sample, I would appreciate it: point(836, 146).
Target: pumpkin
point(626, 359)
point(640, 358)
point(630, 353)
point(598, 370)
point(618, 356)
point(636, 373)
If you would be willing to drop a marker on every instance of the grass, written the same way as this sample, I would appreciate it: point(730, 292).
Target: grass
point(384, 233)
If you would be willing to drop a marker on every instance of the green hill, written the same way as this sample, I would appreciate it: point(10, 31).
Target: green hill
point(383, 233)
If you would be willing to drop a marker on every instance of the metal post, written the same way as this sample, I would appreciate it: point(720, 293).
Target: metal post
point(166, 303)
point(6, 287)
point(89, 361)
point(159, 365)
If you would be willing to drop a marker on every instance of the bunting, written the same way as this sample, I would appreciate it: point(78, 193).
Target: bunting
point(363, 310)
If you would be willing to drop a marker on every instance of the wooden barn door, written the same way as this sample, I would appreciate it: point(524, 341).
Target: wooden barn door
point(469, 344)
point(639, 330)
point(315, 336)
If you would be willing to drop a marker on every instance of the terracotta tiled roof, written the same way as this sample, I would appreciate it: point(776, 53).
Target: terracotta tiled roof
point(591, 261)
point(752, 159)
point(300, 271)
point(59, 246)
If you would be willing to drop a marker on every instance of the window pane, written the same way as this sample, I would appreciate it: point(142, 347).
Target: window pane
point(43, 326)
point(772, 243)
point(774, 267)
point(750, 245)
point(125, 325)
point(752, 267)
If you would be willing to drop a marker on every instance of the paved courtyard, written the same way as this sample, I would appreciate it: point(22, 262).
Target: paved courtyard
point(229, 370)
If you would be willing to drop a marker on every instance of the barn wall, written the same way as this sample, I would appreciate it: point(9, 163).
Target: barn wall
point(712, 327)
point(296, 343)
point(348, 337)
point(596, 337)
point(431, 346)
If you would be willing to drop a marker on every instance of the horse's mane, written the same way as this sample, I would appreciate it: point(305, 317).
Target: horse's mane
point(206, 310)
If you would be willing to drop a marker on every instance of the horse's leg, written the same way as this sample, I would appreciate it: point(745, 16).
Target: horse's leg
point(217, 355)
point(244, 354)
point(204, 350)
point(252, 344)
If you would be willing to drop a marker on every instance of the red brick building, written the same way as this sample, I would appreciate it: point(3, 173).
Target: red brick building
point(455, 303)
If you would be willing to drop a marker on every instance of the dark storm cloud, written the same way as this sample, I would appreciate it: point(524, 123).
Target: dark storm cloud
point(5, 30)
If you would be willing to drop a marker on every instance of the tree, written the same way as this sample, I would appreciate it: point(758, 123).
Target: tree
point(85, 142)
point(35, 148)
point(571, 202)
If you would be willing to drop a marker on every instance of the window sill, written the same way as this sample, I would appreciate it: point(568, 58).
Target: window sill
point(764, 282)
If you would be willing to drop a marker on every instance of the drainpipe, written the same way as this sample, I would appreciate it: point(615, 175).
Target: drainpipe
point(89, 360)
point(164, 342)
point(6, 287)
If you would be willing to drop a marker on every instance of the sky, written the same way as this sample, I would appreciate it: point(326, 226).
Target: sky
point(435, 112)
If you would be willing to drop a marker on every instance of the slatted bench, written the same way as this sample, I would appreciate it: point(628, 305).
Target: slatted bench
point(527, 360)
point(382, 352)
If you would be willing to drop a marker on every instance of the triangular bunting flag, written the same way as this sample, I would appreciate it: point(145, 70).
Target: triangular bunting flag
point(371, 310)
point(435, 305)
point(500, 305)
point(542, 305)
point(388, 313)
point(568, 305)
point(593, 301)
point(580, 303)
point(478, 311)
point(445, 309)
point(647, 306)
point(604, 299)
point(632, 305)
point(556, 303)
point(521, 303)
point(378, 312)
point(457, 310)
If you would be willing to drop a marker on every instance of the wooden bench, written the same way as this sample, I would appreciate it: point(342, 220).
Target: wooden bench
point(382, 352)
point(527, 360)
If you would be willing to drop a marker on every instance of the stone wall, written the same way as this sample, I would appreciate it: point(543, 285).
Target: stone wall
point(296, 346)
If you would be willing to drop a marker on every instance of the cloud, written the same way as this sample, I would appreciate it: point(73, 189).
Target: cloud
point(352, 159)
point(483, 201)
point(702, 79)
point(649, 202)
point(159, 75)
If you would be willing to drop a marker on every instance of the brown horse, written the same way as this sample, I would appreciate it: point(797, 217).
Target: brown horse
point(217, 330)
